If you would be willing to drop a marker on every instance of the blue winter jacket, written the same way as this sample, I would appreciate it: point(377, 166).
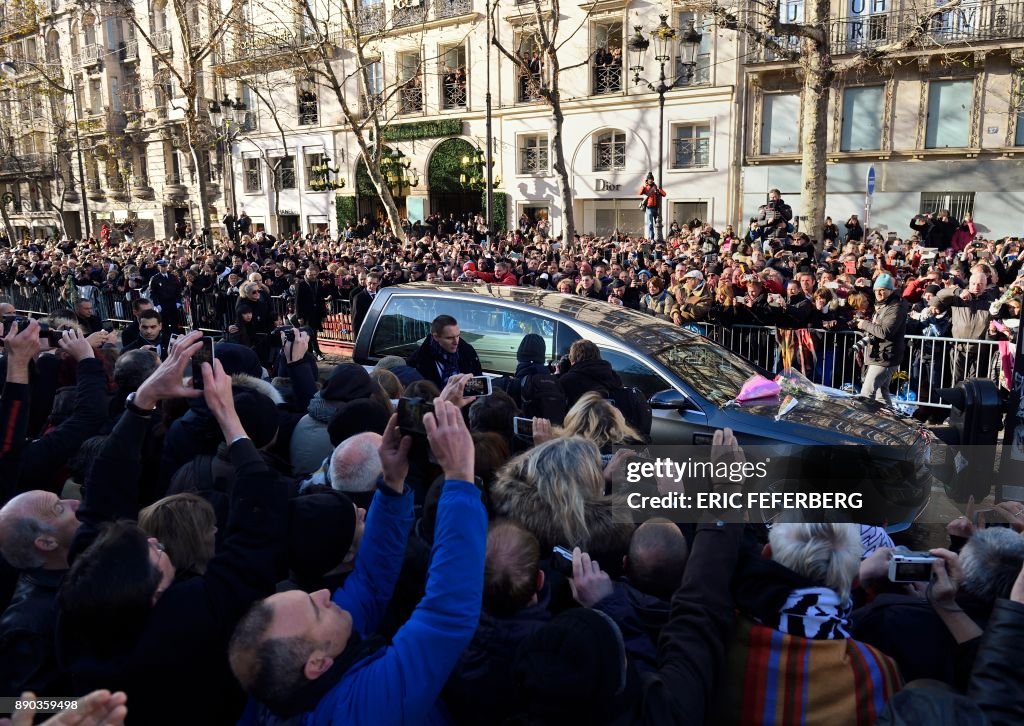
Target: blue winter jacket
point(400, 684)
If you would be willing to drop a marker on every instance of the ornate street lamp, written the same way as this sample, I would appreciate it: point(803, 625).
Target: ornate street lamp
point(230, 116)
point(665, 38)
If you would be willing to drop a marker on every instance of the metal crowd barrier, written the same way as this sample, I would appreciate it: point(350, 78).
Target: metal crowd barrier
point(928, 363)
point(212, 312)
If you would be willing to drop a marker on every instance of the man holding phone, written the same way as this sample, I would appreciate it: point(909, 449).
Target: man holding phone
point(444, 354)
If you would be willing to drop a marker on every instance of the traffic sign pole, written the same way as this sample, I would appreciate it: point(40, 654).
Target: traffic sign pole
point(869, 193)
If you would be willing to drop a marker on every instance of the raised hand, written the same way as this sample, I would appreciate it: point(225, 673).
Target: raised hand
point(450, 440)
point(454, 388)
point(394, 455)
point(76, 345)
point(590, 584)
point(166, 381)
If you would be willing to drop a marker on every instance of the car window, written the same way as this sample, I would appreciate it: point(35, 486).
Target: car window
point(634, 372)
point(492, 329)
point(712, 371)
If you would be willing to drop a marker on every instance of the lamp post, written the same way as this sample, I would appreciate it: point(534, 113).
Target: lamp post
point(230, 114)
point(664, 37)
point(477, 172)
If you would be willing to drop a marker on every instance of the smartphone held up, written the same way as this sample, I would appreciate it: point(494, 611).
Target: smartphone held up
point(203, 355)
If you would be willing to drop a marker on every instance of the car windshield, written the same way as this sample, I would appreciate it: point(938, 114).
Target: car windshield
point(711, 371)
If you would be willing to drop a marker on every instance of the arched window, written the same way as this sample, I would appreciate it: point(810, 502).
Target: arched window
point(53, 46)
point(89, 25)
point(610, 150)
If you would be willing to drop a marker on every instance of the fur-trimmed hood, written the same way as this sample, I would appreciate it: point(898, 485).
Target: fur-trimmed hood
point(243, 380)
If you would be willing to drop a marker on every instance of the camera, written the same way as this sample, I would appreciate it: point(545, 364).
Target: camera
point(52, 336)
point(912, 567)
point(289, 332)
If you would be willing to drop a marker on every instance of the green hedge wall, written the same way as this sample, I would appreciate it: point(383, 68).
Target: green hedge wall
point(346, 210)
point(500, 209)
point(422, 130)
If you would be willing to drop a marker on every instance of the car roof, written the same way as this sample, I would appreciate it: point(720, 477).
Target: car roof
point(645, 332)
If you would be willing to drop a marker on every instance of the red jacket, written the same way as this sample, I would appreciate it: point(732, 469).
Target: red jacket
point(508, 279)
point(652, 196)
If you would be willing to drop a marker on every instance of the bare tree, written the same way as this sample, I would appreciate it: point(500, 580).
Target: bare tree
point(544, 33)
point(202, 25)
point(807, 40)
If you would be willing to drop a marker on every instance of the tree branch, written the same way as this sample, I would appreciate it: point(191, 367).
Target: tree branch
point(760, 37)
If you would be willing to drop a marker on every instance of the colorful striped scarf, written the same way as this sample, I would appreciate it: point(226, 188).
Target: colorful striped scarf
point(775, 678)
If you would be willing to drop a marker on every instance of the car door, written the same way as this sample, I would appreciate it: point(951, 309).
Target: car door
point(680, 427)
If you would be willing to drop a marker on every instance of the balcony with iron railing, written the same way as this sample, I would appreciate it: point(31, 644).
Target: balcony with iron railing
point(410, 99)
point(129, 52)
point(969, 23)
point(533, 160)
point(371, 104)
point(90, 56)
point(529, 87)
point(25, 165)
point(451, 8)
point(691, 153)
point(607, 79)
point(370, 18)
point(453, 92)
point(409, 12)
point(162, 40)
point(17, 22)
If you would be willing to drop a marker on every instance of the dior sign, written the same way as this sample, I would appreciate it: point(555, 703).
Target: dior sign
point(603, 186)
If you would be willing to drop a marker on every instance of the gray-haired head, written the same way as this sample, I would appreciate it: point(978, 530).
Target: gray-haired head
point(991, 561)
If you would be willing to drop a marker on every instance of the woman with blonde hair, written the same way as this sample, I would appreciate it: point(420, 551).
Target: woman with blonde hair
point(595, 418)
point(554, 490)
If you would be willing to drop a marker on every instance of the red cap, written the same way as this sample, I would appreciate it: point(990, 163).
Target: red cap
point(469, 266)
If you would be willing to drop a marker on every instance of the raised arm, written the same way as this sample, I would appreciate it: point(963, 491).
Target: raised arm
point(112, 485)
point(426, 648)
point(20, 349)
point(247, 566)
point(43, 457)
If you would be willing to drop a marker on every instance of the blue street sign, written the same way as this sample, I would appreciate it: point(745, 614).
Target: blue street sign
point(871, 179)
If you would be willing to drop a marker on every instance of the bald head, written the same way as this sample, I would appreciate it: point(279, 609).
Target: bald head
point(36, 529)
point(657, 558)
point(355, 463)
point(6, 309)
point(977, 283)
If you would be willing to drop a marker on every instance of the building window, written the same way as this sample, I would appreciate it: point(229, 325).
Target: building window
point(956, 203)
point(705, 25)
point(862, 122)
point(948, 114)
point(308, 108)
point(313, 160)
point(533, 154)
point(410, 79)
point(529, 78)
point(610, 151)
point(780, 124)
point(374, 79)
point(691, 146)
point(285, 172)
point(96, 96)
point(453, 77)
point(607, 58)
point(253, 170)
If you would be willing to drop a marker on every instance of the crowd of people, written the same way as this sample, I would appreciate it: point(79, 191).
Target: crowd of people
point(255, 540)
point(949, 281)
point(283, 547)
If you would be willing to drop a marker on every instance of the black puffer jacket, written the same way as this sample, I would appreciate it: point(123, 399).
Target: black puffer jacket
point(997, 680)
point(589, 375)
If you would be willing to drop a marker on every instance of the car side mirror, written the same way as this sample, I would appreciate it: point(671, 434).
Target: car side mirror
point(668, 400)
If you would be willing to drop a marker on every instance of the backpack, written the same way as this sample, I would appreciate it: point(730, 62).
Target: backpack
point(542, 396)
point(633, 404)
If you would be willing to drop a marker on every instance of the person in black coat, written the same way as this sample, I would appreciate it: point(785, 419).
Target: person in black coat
point(362, 301)
point(310, 306)
point(444, 353)
point(86, 316)
point(165, 292)
point(124, 623)
point(589, 372)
